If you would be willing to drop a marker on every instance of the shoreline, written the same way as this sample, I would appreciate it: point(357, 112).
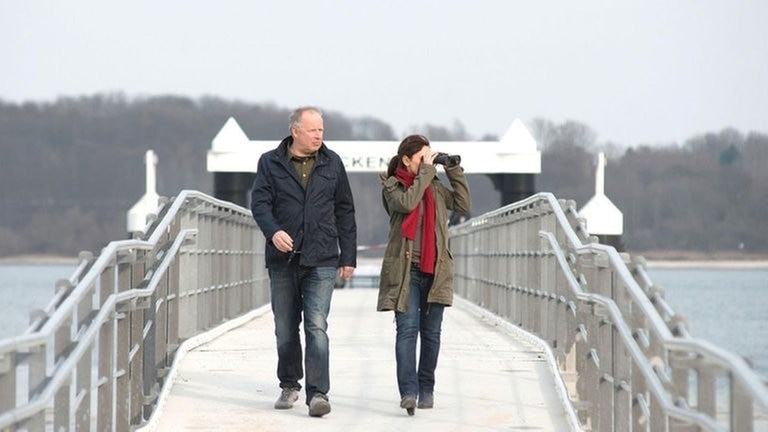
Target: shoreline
point(709, 264)
point(729, 263)
point(672, 259)
point(39, 260)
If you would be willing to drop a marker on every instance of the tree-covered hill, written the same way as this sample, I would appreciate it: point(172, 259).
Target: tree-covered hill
point(70, 169)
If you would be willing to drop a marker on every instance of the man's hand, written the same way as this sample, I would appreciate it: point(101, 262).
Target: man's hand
point(346, 272)
point(282, 241)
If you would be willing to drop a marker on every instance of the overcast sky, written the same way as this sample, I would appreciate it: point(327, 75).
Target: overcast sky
point(655, 71)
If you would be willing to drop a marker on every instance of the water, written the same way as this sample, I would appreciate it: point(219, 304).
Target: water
point(726, 307)
point(24, 288)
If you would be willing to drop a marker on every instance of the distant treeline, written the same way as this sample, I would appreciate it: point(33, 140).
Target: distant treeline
point(70, 170)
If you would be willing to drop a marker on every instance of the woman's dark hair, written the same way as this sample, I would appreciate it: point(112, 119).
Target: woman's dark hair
point(409, 146)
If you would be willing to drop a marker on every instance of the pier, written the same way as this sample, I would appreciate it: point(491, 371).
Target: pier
point(551, 329)
point(490, 377)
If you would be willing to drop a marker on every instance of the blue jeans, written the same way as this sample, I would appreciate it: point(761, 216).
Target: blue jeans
point(295, 290)
point(420, 319)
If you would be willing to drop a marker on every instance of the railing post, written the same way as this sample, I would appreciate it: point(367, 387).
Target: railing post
point(62, 344)
point(189, 280)
point(605, 343)
point(123, 360)
point(706, 386)
point(81, 405)
point(148, 350)
point(741, 408)
point(622, 385)
point(106, 375)
point(8, 372)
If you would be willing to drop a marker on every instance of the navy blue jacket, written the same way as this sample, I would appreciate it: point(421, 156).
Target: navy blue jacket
point(321, 220)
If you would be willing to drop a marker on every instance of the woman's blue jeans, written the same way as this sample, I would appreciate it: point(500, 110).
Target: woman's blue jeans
point(421, 321)
point(297, 290)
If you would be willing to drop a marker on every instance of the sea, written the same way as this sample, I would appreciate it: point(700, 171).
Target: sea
point(725, 306)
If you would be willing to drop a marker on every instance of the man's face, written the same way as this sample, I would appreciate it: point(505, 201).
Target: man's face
point(308, 136)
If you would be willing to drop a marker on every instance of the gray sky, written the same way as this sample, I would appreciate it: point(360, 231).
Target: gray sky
point(654, 71)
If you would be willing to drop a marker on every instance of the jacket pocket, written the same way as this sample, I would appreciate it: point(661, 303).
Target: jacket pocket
point(444, 279)
point(281, 176)
point(391, 272)
point(325, 183)
point(329, 229)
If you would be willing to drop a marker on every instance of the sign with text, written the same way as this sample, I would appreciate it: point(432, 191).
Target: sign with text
point(516, 152)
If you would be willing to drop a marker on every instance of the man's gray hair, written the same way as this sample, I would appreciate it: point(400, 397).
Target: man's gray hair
point(295, 118)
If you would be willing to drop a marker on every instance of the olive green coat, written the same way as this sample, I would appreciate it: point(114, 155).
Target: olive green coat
point(399, 202)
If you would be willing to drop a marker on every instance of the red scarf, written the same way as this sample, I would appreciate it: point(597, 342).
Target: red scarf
point(428, 248)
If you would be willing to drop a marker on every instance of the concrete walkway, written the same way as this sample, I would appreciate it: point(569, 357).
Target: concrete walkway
point(490, 377)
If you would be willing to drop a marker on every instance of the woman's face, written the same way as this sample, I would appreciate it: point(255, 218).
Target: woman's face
point(414, 162)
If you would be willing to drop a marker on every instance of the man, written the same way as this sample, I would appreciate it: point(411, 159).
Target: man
point(303, 204)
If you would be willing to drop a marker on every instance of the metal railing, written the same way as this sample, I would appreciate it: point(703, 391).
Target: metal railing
point(627, 360)
point(97, 356)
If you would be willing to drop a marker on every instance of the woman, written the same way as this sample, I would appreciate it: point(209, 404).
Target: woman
point(417, 270)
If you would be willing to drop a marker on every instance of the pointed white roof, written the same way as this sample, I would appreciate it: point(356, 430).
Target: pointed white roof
point(602, 216)
point(230, 137)
point(517, 139)
point(136, 218)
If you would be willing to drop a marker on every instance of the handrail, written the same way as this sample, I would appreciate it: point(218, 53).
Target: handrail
point(502, 267)
point(133, 305)
point(737, 365)
point(40, 316)
point(71, 361)
point(739, 368)
point(640, 361)
point(55, 320)
point(625, 356)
